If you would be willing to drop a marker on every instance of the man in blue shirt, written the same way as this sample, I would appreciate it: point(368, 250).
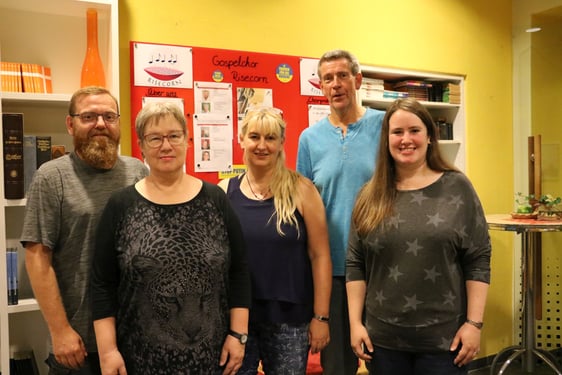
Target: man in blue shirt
point(338, 154)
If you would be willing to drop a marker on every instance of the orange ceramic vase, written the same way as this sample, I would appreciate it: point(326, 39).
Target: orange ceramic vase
point(92, 69)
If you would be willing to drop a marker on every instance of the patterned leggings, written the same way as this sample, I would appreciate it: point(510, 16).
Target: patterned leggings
point(282, 349)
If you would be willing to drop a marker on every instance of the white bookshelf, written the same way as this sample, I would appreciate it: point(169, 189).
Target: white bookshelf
point(453, 150)
point(50, 33)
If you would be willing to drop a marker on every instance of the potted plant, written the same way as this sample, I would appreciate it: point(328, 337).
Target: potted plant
point(548, 208)
point(525, 206)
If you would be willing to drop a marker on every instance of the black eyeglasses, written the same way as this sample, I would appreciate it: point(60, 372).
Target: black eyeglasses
point(156, 140)
point(90, 118)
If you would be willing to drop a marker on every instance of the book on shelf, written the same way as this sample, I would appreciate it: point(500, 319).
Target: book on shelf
point(23, 363)
point(47, 79)
point(371, 93)
point(390, 94)
point(12, 275)
point(372, 83)
point(29, 160)
point(445, 129)
point(57, 151)
point(25, 77)
point(43, 149)
point(11, 76)
point(36, 151)
point(452, 93)
point(415, 88)
point(412, 83)
point(12, 132)
point(435, 92)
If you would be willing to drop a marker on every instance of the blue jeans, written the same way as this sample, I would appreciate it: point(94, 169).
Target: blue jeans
point(393, 362)
point(91, 366)
point(282, 349)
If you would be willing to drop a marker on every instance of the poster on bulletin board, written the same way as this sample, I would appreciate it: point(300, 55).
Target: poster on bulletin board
point(216, 87)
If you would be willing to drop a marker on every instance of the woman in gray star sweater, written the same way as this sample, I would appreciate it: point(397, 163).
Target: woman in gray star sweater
point(418, 261)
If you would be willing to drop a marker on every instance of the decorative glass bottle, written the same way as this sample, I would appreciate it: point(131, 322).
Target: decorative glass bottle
point(92, 69)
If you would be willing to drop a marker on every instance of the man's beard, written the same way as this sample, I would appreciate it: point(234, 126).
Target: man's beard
point(100, 153)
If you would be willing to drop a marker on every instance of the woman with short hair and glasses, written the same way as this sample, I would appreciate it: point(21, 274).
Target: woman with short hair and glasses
point(170, 283)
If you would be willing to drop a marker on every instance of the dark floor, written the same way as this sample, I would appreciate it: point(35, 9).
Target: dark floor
point(516, 369)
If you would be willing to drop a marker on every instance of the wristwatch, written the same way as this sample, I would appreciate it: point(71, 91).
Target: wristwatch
point(321, 318)
point(242, 337)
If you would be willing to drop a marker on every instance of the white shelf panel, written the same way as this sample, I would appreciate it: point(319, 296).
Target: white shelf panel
point(452, 150)
point(395, 73)
point(55, 7)
point(15, 202)
point(26, 304)
point(51, 33)
point(32, 98)
point(385, 103)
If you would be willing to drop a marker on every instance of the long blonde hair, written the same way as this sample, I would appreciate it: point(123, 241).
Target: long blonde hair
point(284, 181)
point(376, 198)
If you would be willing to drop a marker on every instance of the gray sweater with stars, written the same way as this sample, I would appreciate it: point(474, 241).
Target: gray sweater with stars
point(416, 267)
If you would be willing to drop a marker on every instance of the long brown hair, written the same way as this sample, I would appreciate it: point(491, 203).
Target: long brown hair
point(376, 198)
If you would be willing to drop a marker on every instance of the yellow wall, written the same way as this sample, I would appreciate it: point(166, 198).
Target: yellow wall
point(472, 38)
point(546, 118)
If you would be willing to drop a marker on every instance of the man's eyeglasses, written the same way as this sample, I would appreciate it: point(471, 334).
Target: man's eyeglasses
point(90, 118)
point(156, 140)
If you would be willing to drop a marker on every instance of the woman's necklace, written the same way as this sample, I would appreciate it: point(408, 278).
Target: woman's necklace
point(260, 197)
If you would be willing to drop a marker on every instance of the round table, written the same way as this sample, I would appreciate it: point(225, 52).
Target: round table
point(529, 229)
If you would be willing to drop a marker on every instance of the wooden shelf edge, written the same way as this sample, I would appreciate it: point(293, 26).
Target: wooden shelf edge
point(25, 304)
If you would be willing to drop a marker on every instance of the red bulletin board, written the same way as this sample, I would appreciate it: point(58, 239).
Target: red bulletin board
point(242, 70)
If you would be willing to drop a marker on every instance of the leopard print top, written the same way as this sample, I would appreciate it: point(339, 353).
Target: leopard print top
point(174, 263)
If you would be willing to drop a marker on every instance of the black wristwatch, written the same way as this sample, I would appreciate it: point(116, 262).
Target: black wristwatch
point(242, 337)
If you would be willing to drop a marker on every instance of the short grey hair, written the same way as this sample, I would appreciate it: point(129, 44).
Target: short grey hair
point(337, 54)
point(154, 111)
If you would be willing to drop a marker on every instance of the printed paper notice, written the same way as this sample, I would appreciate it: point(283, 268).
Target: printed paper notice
point(161, 65)
point(212, 141)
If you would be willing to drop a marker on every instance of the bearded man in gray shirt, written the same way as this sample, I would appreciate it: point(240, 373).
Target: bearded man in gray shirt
point(64, 203)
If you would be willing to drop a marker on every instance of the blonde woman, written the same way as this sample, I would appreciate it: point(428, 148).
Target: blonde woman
point(284, 225)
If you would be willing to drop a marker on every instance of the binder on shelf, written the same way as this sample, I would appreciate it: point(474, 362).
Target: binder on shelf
point(12, 131)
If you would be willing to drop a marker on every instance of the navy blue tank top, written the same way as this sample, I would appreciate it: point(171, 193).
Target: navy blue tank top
point(280, 267)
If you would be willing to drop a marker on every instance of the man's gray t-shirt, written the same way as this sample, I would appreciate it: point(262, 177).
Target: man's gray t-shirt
point(64, 203)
